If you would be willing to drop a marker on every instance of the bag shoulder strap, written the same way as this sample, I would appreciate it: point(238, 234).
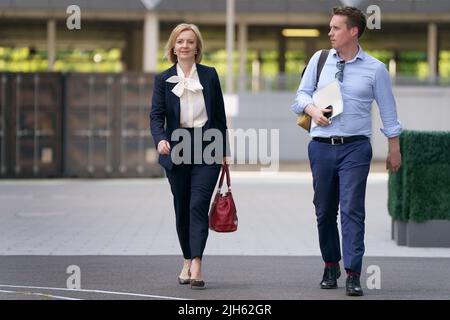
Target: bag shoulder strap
point(323, 57)
point(321, 63)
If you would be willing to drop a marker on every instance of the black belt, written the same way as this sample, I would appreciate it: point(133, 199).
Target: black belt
point(340, 140)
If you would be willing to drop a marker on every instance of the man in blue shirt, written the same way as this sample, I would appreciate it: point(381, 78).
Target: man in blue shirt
point(340, 151)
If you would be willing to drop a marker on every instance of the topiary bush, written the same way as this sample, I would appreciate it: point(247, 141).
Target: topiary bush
point(420, 190)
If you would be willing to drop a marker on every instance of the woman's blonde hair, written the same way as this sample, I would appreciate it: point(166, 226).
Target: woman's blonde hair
point(170, 45)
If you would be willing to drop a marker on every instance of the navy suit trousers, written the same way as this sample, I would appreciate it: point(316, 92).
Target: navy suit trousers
point(339, 180)
point(192, 187)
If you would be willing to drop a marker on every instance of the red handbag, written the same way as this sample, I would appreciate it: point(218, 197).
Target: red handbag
point(223, 215)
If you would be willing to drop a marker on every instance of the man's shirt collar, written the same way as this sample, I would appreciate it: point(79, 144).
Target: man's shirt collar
point(359, 55)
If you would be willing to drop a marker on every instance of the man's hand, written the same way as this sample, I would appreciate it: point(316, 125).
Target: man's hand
point(394, 157)
point(164, 147)
point(317, 115)
point(394, 161)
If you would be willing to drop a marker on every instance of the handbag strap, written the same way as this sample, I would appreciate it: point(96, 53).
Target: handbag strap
point(225, 172)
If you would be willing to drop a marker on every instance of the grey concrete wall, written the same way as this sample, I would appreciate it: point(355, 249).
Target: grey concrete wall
point(271, 110)
point(419, 108)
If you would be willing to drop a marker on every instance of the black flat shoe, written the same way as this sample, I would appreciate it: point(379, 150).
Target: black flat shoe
point(197, 284)
point(330, 276)
point(353, 286)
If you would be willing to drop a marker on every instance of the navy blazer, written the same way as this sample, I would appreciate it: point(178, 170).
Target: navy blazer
point(165, 112)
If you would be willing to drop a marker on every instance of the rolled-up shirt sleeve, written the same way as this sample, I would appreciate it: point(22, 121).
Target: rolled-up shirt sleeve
point(386, 103)
point(304, 93)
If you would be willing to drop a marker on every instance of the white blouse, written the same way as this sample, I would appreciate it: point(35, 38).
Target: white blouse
point(192, 103)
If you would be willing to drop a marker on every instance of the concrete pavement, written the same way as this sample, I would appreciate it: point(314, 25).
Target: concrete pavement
point(122, 235)
point(135, 217)
point(227, 277)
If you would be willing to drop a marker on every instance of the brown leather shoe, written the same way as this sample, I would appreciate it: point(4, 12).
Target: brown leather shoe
point(197, 284)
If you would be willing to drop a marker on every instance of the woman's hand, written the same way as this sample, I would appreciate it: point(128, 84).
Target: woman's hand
point(226, 160)
point(164, 147)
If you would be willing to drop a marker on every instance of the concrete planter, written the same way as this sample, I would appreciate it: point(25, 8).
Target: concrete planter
point(398, 232)
point(431, 233)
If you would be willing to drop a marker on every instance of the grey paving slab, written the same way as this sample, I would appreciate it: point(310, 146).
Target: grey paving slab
point(135, 217)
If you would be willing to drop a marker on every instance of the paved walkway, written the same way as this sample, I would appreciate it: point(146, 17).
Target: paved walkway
point(227, 277)
point(121, 233)
point(135, 217)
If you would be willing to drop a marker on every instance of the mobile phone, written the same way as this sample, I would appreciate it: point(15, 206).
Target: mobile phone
point(328, 114)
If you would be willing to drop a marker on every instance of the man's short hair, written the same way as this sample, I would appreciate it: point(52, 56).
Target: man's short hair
point(355, 18)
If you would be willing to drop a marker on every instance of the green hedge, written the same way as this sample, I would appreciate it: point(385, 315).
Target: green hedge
point(420, 190)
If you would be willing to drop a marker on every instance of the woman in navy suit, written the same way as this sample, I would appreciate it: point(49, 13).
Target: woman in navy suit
point(187, 98)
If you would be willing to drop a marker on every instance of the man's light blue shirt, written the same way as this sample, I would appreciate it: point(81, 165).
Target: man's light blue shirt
point(365, 79)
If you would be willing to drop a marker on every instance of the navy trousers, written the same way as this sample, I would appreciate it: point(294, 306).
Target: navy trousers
point(192, 187)
point(339, 180)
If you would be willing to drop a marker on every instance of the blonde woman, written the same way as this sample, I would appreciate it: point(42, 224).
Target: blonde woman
point(188, 96)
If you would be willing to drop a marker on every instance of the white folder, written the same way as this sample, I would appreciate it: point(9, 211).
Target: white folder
point(329, 95)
